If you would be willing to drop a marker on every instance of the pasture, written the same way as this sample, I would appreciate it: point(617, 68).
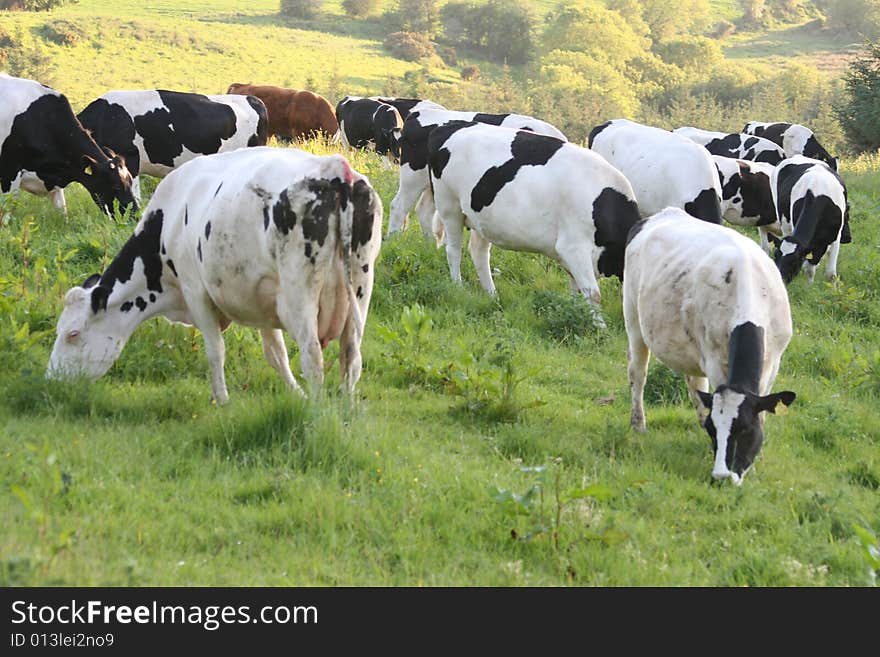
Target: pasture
point(489, 443)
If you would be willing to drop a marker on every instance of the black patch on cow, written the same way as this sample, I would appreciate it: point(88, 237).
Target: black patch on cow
point(217, 191)
point(614, 216)
point(199, 250)
point(414, 143)
point(438, 157)
point(750, 141)
point(491, 119)
point(635, 230)
point(360, 292)
point(770, 157)
point(171, 267)
point(162, 250)
point(308, 251)
point(757, 196)
point(207, 230)
point(152, 298)
point(595, 131)
point(728, 146)
point(329, 195)
point(728, 276)
point(190, 121)
point(141, 304)
point(527, 149)
point(817, 224)
point(364, 215)
point(402, 105)
point(813, 149)
point(143, 246)
point(125, 307)
point(261, 136)
point(745, 357)
point(266, 217)
point(283, 215)
point(731, 186)
point(112, 127)
point(705, 206)
point(185, 215)
point(774, 132)
point(365, 268)
point(99, 297)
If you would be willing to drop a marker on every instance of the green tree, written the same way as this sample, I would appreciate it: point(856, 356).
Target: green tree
point(858, 16)
point(488, 27)
point(415, 16)
point(299, 8)
point(859, 111)
point(360, 8)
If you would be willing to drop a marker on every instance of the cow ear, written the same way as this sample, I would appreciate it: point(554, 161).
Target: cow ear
point(99, 298)
point(775, 403)
point(706, 399)
point(91, 281)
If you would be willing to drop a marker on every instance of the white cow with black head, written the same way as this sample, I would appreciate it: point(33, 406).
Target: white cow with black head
point(529, 192)
point(707, 302)
point(813, 211)
point(414, 158)
point(735, 145)
point(794, 138)
point(270, 238)
point(746, 195)
point(665, 169)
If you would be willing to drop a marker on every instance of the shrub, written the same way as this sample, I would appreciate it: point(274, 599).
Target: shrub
point(857, 112)
point(564, 316)
point(414, 16)
point(299, 8)
point(411, 46)
point(488, 27)
point(63, 32)
point(360, 8)
point(471, 72)
point(723, 29)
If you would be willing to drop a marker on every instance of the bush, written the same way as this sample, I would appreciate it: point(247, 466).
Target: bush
point(360, 8)
point(858, 16)
point(299, 8)
point(471, 72)
point(723, 29)
point(414, 16)
point(488, 27)
point(63, 32)
point(411, 46)
point(858, 111)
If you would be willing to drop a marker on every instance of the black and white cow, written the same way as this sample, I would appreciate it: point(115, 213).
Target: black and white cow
point(274, 238)
point(747, 196)
point(44, 147)
point(414, 179)
point(367, 123)
point(794, 138)
point(813, 213)
point(736, 145)
point(30, 182)
point(665, 169)
point(709, 304)
point(156, 131)
point(529, 192)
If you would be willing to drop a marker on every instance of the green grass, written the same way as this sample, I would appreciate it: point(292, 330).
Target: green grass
point(139, 480)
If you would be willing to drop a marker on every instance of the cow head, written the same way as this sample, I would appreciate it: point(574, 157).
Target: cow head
point(108, 182)
point(735, 424)
point(392, 139)
point(789, 256)
point(89, 340)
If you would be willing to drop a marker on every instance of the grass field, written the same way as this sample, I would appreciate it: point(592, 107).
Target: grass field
point(489, 443)
point(139, 480)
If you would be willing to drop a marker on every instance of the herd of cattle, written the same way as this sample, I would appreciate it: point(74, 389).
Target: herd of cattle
point(278, 238)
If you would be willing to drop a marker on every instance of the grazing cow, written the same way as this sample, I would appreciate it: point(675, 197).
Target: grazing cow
point(156, 130)
point(530, 192)
point(40, 137)
point(794, 138)
point(813, 211)
point(365, 123)
point(414, 179)
point(665, 169)
point(746, 195)
point(293, 114)
point(274, 238)
point(738, 146)
point(709, 304)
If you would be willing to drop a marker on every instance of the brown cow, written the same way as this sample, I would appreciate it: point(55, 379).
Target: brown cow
point(293, 114)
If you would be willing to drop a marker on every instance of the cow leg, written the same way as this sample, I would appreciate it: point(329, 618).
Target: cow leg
point(581, 270)
point(454, 229)
point(810, 271)
point(350, 363)
point(831, 267)
point(299, 316)
point(639, 354)
point(412, 184)
point(58, 200)
point(695, 383)
point(765, 242)
point(425, 210)
point(275, 352)
point(479, 247)
point(205, 317)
